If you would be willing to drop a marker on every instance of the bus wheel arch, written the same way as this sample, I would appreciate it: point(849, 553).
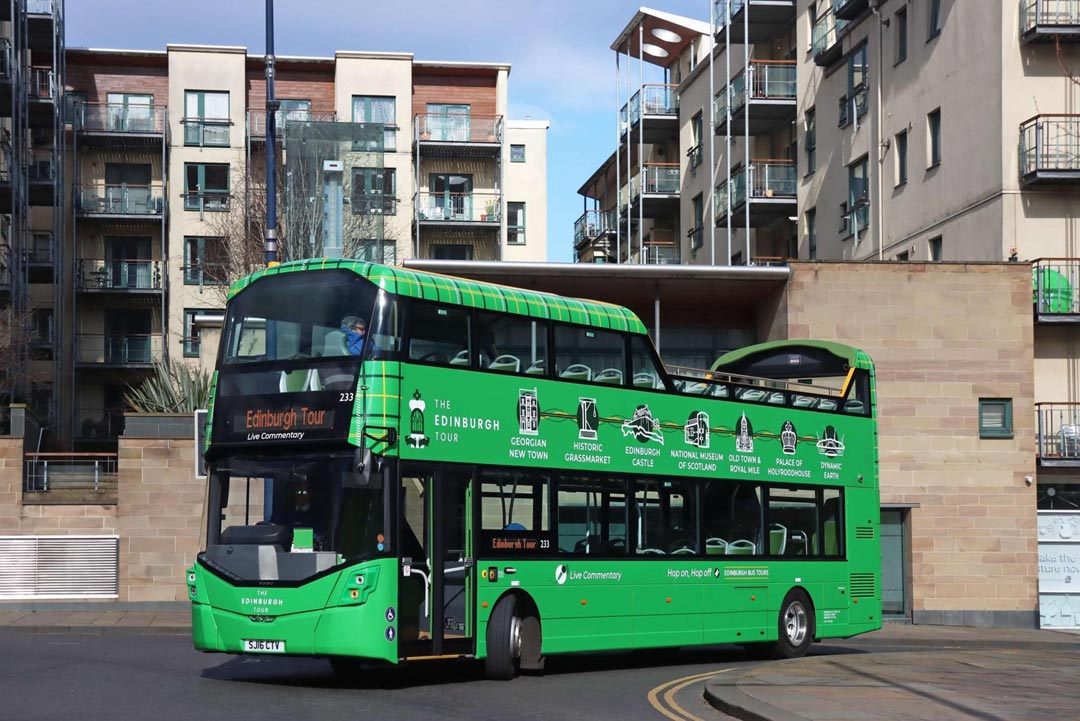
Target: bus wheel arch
point(513, 637)
point(796, 624)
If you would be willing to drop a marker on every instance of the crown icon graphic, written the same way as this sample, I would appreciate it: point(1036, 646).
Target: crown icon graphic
point(788, 438)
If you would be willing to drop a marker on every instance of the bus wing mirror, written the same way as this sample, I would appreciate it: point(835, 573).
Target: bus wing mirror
point(368, 467)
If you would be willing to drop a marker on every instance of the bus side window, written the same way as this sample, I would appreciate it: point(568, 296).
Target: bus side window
point(592, 516)
point(511, 343)
point(645, 372)
point(439, 335)
point(588, 354)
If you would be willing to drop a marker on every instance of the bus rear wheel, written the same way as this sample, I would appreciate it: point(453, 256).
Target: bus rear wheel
point(503, 641)
point(796, 625)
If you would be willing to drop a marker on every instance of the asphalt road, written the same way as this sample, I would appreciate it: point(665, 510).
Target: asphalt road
point(68, 677)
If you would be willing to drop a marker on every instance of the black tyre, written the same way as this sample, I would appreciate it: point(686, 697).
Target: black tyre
point(796, 625)
point(503, 641)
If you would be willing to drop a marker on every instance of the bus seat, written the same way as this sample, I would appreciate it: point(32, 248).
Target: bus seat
point(645, 380)
point(651, 552)
point(776, 398)
point(461, 359)
point(299, 381)
point(715, 546)
point(805, 402)
point(854, 406)
point(777, 539)
point(717, 390)
point(506, 363)
point(696, 389)
point(827, 404)
point(750, 394)
point(514, 526)
point(536, 369)
point(741, 547)
point(334, 344)
point(612, 376)
point(577, 372)
point(684, 551)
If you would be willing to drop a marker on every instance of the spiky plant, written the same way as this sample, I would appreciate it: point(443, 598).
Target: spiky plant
point(172, 388)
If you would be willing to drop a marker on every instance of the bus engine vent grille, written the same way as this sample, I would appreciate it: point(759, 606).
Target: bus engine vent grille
point(862, 585)
point(864, 532)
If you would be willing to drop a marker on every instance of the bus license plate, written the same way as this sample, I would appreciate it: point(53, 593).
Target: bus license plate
point(262, 646)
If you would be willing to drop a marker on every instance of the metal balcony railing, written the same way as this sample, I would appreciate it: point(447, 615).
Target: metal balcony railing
point(41, 84)
point(256, 121)
point(459, 207)
point(458, 128)
point(1058, 431)
point(120, 200)
point(662, 178)
point(207, 132)
point(592, 224)
point(42, 249)
point(661, 255)
point(768, 179)
point(41, 171)
point(120, 118)
point(1050, 143)
point(652, 99)
point(5, 58)
point(118, 348)
point(71, 471)
point(1054, 284)
point(98, 274)
point(1049, 13)
point(769, 80)
point(720, 12)
point(826, 32)
point(209, 201)
point(40, 7)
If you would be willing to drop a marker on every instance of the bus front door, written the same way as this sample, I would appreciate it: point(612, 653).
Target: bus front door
point(436, 590)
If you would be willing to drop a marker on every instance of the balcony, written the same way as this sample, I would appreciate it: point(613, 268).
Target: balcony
point(7, 69)
point(458, 135)
point(771, 99)
point(1053, 290)
point(137, 202)
point(659, 195)
point(652, 113)
point(1058, 434)
point(116, 350)
point(119, 276)
point(773, 187)
point(592, 226)
point(40, 257)
point(121, 126)
point(206, 132)
point(1050, 150)
point(41, 24)
point(766, 20)
point(1050, 21)
point(256, 122)
point(475, 210)
point(849, 9)
point(826, 45)
point(42, 187)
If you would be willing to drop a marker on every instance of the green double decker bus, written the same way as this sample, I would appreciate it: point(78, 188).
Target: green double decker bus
point(500, 474)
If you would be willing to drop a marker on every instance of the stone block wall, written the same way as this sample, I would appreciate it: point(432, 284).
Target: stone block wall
point(943, 336)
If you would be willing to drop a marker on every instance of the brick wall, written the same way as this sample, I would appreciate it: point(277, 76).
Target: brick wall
point(942, 336)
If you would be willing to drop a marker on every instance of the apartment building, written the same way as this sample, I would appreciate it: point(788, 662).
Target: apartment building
point(148, 170)
point(870, 130)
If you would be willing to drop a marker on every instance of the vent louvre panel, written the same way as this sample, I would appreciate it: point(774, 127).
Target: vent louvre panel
point(864, 532)
point(862, 585)
point(59, 566)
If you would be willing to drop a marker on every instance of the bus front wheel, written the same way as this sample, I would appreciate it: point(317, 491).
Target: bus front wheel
point(796, 625)
point(503, 640)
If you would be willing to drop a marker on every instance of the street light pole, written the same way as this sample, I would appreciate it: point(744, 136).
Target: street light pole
point(271, 162)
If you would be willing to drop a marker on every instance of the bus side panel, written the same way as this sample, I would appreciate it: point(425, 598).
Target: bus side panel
point(736, 612)
point(666, 615)
point(365, 625)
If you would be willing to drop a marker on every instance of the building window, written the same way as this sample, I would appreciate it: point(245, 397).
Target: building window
point(192, 339)
point(901, 35)
point(696, 128)
point(903, 256)
point(933, 26)
point(845, 221)
point(374, 191)
point(206, 186)
point(205, 261)
point(515, 224)
point(517, 153)
point(378, 251)
point(811, 140)
point(374, 109)
point(854, 104)
point(206, 118)
point(933, 131)
point(697, 233)
point(811, 234)
point(456, 251)
point(901, 158)
point(859, 193)
point(935, 248)
point(995, 418)
point(293, 109)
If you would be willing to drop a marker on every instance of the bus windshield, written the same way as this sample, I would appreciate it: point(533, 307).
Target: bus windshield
point(298, 316)
point(321, 513)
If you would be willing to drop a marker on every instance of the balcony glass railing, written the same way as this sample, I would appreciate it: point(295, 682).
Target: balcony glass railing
point(652, 99)
point(661, 255)
point(118, 348)
point(40, 7)
point(768, 179)
point(1050, 143)
point(97, 274)
point(208, 201)
point(592, 224)
point(1054, 284)
point(460, 207)
point(256, 121)
point(119, 200)
point(458, 128)
point(207, 132)
point(662, 178)
point(1058, 428)
point(826, 33)
point(769, 80)
point(1052, 13)
point(721, 8)
point(120, 118)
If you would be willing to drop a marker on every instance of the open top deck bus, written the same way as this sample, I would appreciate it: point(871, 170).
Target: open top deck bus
point(505, 475)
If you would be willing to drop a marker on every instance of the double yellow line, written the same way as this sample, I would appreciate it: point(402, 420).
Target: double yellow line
point(662, 698)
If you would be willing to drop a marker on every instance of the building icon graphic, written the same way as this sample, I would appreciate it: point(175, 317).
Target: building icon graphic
point(528, 412)
point(416, 438)
point(744, 435)
point(696, 430)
